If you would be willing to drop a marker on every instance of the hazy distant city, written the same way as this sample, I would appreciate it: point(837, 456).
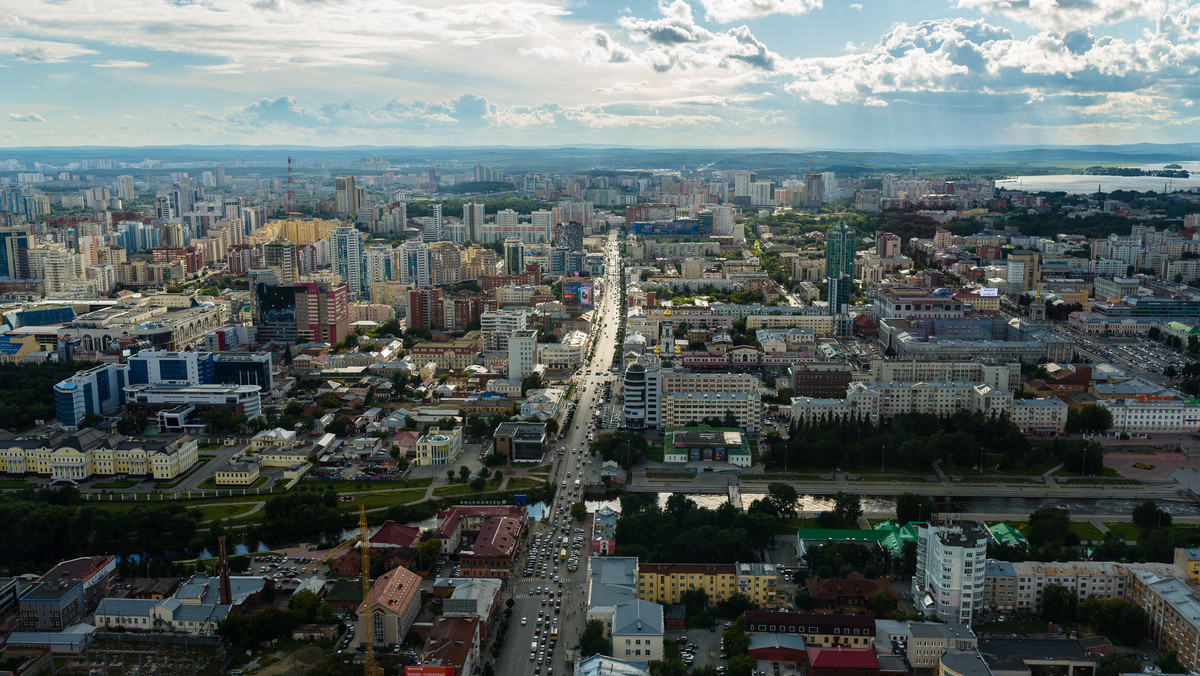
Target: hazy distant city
point(675, 338)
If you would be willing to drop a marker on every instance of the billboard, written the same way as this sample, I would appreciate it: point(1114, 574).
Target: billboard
point(428, 671)
point(989, 292)
point(577, 292)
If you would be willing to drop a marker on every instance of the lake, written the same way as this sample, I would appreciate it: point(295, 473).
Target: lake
point(1080, 184)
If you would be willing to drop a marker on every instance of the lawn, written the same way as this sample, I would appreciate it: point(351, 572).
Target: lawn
point(1105, 472)
point(1126, 531)
point(374, 500)
point(209, 447)
point(1086, 531)
point(110, 485)
point(216, 512)
point(14, 483)
point(453, 490)
point(679, 476)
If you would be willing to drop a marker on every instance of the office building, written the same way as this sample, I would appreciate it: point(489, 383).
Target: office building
point(520, 441)
point(345, 249)
point(522, 353)
point(125, 189)
point(814, 190)
point(951, 568)
point(96, 391)
point(496, 327)
point(67, 593)
point(438, 447)
point(514, 256)
point(839, 267)
point(1023, 272)
point(433, 229)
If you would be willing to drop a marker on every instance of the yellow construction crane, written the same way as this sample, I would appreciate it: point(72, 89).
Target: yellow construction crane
point(368, 630)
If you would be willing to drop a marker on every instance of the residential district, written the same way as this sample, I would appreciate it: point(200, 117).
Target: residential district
point(392, 419)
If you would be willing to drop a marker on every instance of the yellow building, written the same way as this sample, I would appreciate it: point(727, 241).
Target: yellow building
point(1188, 560)
point(273, 439)
point(304, 231)
point(94, 453)
point(240, 473)
point(979, 302)
point(283, 457)
point(666, 582)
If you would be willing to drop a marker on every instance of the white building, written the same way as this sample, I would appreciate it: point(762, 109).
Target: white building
point(1048, 414)
point(1146, 414)
point(875, 401)
point(565, 354)
point(345, 246)
point(415, 264)
point(497, 325)
point(438, 447)
point(951, 568)
point(522, 353)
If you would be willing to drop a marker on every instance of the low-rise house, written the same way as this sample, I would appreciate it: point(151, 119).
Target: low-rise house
point(854, 593)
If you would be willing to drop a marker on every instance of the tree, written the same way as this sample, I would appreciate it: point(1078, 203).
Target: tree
point(1050, 525)
point(734, 638)
point(783, 497)
point(1089, 419)
point(913, 507)
point(425, 553)
point(306, 602)
point(741, 665)
point(1118, 663)
point(532, 381)
point(1168, 663)
point(1148, 515)
point(847, 508)
point(578, 511)
point(478, 484)
point(552, 427)
point(592, 641)
point(464, 472)
point(1058, 604)
point(804, 600)
point(450, 475)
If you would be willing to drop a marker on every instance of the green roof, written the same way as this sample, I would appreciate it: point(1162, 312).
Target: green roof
point(840, 534)
point(1005, 534)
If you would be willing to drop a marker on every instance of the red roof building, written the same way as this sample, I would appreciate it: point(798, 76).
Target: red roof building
point(392, 534)
point(842, 661)
point(494, 549)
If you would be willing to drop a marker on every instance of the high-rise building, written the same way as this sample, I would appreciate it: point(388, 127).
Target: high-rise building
point(381, 263)
point(322, 311)
point(220, 172)
point(280, 257)
point(96, 391)
point(415, 264)
point(522, 353)
point(951, 567)
point(345, 248)
point(473, 220)
point(434, 230)
point(741, 183)
point(839, 266)
point(347, 195)
point(814, 190)
point(514, 256)
point(1024, 271)
point(125, 187)
point(887, 245)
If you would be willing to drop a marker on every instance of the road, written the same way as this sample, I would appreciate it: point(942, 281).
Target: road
point(530, 592)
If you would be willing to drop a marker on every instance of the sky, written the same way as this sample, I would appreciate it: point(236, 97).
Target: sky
point(864, 75)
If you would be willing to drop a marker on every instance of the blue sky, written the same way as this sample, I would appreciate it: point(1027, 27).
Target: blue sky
point(871, 74)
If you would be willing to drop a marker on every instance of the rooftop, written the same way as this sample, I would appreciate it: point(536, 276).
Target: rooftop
point(394, 590)
point(1011, 654)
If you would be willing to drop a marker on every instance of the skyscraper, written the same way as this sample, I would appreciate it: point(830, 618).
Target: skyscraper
point(345, 248)
point(415, 264)
point(514, 256)
point(380, 264)
point(433, 230)
point(839, 266)
point(473, 220)
point(814, 190)
point(347, 195)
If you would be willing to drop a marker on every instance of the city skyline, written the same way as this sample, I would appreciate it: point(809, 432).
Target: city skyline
point(704, 73)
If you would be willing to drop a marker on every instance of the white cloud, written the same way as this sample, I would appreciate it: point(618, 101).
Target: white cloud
point(41, 51)
point(1068, 15)
point(121, 64)
point(676, 42)
point(25, 117)
point(856, 6)
point(726, 11)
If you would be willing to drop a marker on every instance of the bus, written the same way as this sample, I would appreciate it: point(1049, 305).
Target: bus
point(554, 631)
point(562, 555)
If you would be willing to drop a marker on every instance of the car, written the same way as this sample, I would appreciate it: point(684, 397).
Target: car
point(524, 620)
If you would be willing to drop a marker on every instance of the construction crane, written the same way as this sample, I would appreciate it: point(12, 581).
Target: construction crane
point(364, 545)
